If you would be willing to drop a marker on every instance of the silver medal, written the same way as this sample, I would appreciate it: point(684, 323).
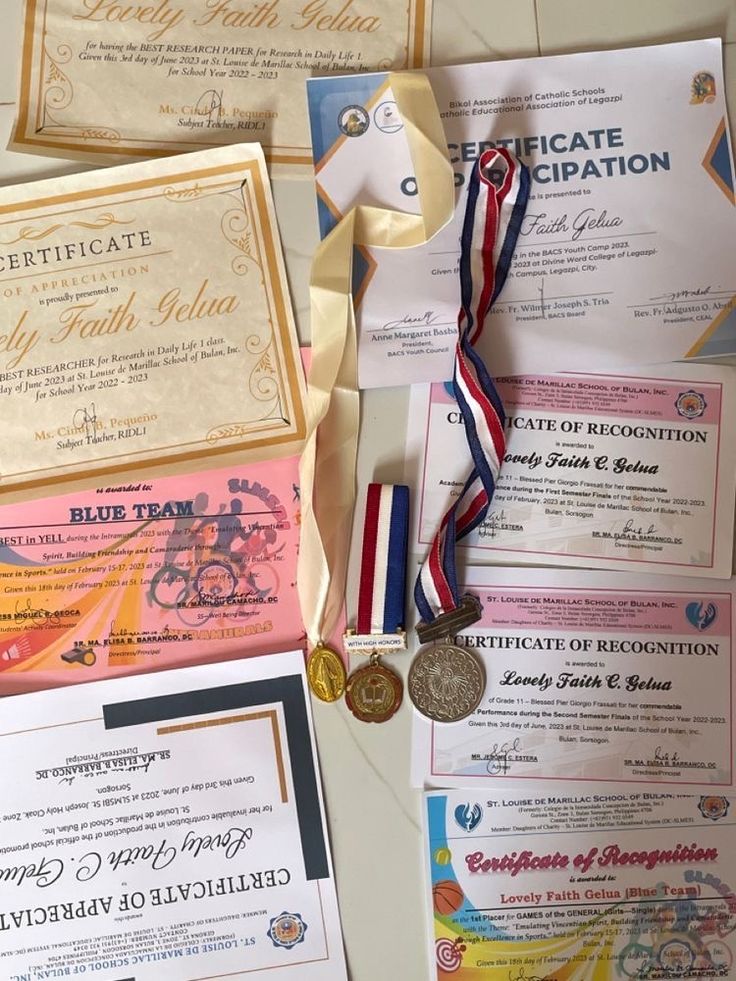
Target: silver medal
point(446, 682)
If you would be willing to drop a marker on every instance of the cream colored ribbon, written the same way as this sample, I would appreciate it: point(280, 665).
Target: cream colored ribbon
point(327, 467)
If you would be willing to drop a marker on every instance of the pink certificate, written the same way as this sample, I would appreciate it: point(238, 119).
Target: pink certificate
point(149, 575)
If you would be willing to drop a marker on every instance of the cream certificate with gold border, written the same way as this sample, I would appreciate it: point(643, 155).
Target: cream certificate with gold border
point(125, 79)
point(145, 319)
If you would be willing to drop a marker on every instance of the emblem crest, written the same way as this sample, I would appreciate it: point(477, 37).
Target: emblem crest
point(287, 930)
point(468, 816)
point(690, 404)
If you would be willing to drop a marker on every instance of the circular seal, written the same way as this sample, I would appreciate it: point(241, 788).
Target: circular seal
point(353, 120)
point(374, 693)
point(446, 682)
point(387, 119)
point(287, 930)
point(676, 958)
point(690, 404)
point(215, 582)
point(326, 673)
point(713, 807)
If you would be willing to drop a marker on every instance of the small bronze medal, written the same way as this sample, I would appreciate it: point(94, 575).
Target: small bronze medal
point(374, 692)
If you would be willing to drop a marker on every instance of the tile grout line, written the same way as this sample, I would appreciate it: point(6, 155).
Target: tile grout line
point(536, 27)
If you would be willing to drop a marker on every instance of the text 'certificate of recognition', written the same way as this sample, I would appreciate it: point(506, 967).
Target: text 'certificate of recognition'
point(591, 681)
point(167, 827)
point(145, 319)
point(103, 80)
point(592, 887)
point(622, 472)
point(628, 152)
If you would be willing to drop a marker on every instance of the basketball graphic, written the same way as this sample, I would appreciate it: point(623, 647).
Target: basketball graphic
point(448, 897)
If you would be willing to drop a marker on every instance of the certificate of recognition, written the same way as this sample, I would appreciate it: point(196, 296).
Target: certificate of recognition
point(606, 271)
point(146, 319)
point(633, 471)
point(168, 828)
point(104, 80)
point(596, 887)
point(143, 576)
point(592, 679)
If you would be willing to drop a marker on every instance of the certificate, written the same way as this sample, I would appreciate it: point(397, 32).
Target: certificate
point(146, 319)
point(143, 576)
point(106, 81)
point(599, 887)
point(592, 679)
point(632, 471)
point(606, 272)
point(168, 828)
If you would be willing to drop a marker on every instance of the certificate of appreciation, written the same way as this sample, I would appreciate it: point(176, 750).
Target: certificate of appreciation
point(592, 678)
point(631, 471)
point(142, 576)
point(146, 319)
point(168, 828)
point(596, 887)
point(103, 80)
point(606, 271)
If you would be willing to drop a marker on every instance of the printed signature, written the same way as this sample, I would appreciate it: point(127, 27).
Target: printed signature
point(426, 319)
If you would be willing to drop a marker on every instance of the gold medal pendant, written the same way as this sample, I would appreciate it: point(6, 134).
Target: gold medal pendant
point(326, 674)
point(374, 693)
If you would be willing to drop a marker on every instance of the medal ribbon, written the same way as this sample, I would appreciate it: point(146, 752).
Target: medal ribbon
point(497, 196)
point(327, 465)
point(383, 564)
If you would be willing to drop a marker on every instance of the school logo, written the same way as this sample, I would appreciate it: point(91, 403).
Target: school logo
point(713, 808)
point(353, 121)
point(387, 119)
point(701, 615)
point(675, 958)
point(287, 930)
point(690, 404)
point(702, 88)
point(468, 816)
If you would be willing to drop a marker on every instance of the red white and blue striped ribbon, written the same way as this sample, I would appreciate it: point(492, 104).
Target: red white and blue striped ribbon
point(498, 191)
point(383, 564)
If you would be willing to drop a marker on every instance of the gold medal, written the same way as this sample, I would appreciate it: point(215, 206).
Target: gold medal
point(326, 673)
point(374, 693)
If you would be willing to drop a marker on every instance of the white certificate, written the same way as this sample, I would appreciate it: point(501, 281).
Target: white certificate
point(592, 679)
point(629, 154)
point(631, 471)
point(596, 887)
point(167, 828)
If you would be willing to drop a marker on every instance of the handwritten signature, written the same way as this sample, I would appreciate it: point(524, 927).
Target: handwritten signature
point(638, 531)
point(39, 617)
point(426, 319)
point(209, 104)
point(86, 418)
point(499, 758)
point(661, 757)
point(685, 294)
point(523, 976)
